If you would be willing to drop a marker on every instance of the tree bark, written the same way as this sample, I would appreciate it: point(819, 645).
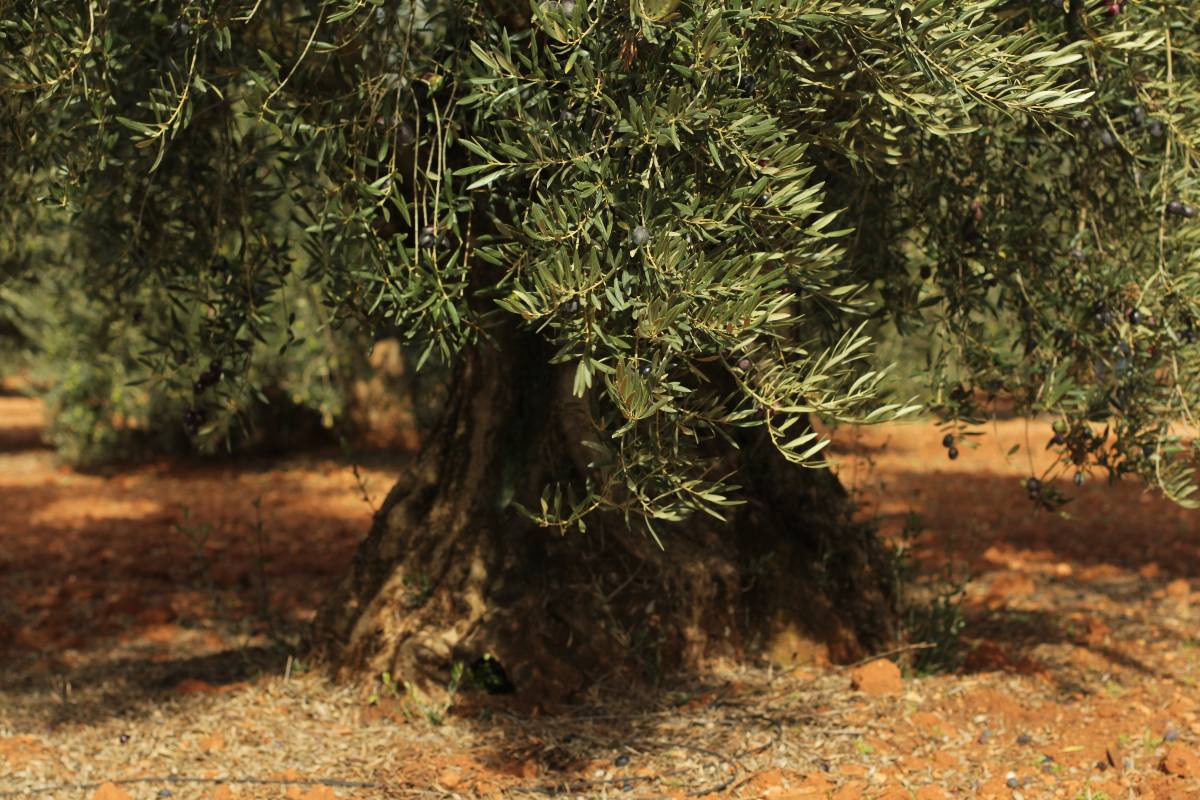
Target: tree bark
point(450, 571)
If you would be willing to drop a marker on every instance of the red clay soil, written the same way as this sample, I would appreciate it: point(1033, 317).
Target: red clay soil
point(137, 660)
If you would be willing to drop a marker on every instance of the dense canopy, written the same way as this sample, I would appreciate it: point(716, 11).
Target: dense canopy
point(709, 211)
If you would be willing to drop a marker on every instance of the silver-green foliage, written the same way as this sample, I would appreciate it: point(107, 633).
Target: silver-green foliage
point(705, 207)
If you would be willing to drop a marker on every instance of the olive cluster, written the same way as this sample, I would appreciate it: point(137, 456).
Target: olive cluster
point(1043, 494)
point(1080, 442)
point(208, 379)
point(1140, 121)
point(948, 443)
point(1033, 487)
point(1180, 209)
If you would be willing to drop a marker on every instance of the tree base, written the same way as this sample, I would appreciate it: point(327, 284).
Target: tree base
point(448, 574)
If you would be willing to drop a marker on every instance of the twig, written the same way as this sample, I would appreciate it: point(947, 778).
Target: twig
point(906, 648)
point(359, 480)
point(362, 487)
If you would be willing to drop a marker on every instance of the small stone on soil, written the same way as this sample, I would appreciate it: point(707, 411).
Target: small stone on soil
point(877, 677)
point(1024, 738)
point(449, 779)
point(110, 791)
point(622, 760)
point(1180, 761)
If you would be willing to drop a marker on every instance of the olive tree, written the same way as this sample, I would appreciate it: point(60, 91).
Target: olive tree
point(652, 242)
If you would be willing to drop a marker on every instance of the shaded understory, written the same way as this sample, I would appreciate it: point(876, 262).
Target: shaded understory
point(1081, 637)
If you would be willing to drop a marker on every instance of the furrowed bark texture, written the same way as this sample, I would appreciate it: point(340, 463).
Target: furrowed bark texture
point(447, 573)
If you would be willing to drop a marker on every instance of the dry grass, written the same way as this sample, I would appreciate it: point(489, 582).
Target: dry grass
point(135, 656)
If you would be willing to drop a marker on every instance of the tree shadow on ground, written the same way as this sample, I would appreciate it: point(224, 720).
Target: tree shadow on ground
point(118, 582)
point(115, 574)
point(21, 423)
point(123, 568)
point(16, 439)
point(982, 519)
point(1113, 548)
point(120, 687)
point(605, 745)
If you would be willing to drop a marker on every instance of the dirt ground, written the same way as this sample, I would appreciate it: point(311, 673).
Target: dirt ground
point(145, 613)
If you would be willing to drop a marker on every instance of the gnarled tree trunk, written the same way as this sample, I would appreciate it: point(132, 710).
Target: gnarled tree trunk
point(450, 571)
